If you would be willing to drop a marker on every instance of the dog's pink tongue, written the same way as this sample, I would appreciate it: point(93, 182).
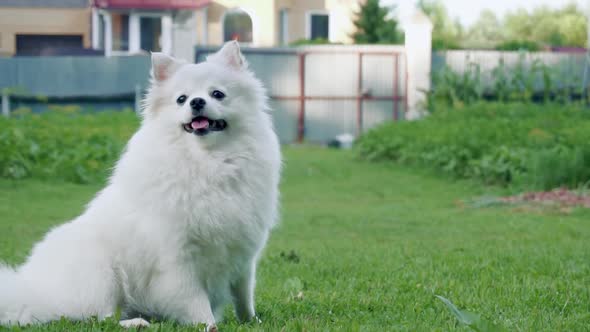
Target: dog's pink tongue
point(200, 124)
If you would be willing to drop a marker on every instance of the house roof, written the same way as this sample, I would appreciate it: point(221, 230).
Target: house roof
point(45, 3)
point(151, 4)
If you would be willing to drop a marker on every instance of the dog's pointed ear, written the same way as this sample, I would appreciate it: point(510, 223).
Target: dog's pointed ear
point(229, 55)
point(164, 66)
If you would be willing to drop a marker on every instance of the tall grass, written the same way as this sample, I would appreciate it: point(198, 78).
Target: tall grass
point(524, 81)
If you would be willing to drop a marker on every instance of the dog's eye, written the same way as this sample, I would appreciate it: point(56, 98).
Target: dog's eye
point(217, 94)
point(181, 100)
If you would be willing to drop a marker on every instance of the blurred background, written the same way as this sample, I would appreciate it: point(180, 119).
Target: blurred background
point(465, 196)
point(390, 58)
point(334, 69)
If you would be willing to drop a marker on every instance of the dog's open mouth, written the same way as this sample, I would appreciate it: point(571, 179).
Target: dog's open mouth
point(202, 125)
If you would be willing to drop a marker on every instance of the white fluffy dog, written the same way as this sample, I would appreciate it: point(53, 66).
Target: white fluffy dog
point(177, 232)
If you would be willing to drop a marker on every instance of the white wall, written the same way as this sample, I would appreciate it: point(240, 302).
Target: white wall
point(184, 35)
point(418, 37)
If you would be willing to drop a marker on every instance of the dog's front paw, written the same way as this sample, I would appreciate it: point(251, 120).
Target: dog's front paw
point(135, 322)
point(211, 328)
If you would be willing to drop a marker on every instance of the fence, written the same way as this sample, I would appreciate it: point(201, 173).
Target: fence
point(566, 69)
point(318, 92)
point(87, 81)
point(315, 92)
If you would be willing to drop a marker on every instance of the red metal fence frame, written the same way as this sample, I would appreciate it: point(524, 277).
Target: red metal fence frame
point(395, 98)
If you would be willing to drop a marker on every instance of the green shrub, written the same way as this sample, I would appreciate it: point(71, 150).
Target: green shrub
point(524, 144)
point(522, 81)
point(316, 41)
point(455, 88)
point(66, 145)
point(519, 45)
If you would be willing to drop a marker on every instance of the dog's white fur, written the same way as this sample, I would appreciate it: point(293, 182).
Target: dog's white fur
point(177, 232)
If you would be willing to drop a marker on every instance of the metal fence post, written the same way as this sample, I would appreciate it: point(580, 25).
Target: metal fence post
point(359, 98)
point(5, 103)
point(301, 122)
point(396, 100)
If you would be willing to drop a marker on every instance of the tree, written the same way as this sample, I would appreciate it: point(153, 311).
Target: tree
point(574, 26)
point(552, 27)
point(446, 33)
point(374, 25)
point(486, 32)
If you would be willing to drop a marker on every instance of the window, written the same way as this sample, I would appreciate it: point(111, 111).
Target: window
point(284, 27)
point(36, 45)
point(120, 32)
point(237, 25)
point(100, 32)
point(318, 26)
point(150, 33)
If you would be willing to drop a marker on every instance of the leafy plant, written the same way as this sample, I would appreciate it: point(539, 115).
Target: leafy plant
point(523, 81)
point(519, 144)
point(67, 145)
point(469, 319)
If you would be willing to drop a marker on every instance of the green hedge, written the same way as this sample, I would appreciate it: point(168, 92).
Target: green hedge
point(534, 146)
point(66, 145)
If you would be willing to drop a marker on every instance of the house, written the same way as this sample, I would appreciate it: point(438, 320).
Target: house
point(48, 27)
point(122, 27)
point(277, 22)
point(35, 27)
point(176, 26)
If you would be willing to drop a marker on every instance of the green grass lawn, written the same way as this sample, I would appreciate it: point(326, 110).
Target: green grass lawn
point(368, 246)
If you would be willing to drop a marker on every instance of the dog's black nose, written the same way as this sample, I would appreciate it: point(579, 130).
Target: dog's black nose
point(197, 104)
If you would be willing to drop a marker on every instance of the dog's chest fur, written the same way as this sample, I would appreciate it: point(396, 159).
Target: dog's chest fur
point(211, 207)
